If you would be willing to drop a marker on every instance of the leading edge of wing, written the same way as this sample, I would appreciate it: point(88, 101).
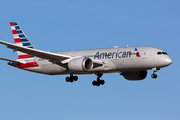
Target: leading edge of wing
point(35, 52)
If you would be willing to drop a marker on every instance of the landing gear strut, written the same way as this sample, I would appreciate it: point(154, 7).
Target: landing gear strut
point(98, 82)
point(71, 78)
point(155, 70)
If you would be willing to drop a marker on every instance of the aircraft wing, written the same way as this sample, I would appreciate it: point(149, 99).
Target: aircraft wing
point(35, 52)
point(52, 57)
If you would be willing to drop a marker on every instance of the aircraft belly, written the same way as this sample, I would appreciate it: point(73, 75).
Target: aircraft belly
point(108, 65)
point(123, 64)
point(49, 68)
point(52, 69)
point(144, 63)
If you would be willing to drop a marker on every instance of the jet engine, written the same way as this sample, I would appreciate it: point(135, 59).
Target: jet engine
point(135, 75)
point(80, 64)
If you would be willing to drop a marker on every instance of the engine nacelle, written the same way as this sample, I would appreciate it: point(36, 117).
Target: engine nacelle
point(80, 64)
point(135, 75)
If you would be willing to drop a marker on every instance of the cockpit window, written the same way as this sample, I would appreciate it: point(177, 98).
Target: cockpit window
point(164, 53)
point(159, 53)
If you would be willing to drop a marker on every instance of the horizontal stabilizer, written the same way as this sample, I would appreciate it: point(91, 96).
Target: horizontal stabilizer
point(18, 62)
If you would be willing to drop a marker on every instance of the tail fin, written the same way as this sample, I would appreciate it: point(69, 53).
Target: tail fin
point(20, 39)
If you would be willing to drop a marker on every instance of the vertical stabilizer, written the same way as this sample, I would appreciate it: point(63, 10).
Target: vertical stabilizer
point(20, 39)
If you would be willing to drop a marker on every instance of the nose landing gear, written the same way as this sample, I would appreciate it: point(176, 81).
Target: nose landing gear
point(154, 75)
point(155, 70)
point(98, 82)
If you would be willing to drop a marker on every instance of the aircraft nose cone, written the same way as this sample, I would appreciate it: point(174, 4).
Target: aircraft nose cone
point(168, 61)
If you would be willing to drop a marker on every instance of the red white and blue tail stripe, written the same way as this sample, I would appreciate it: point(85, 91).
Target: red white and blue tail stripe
point(20, 39)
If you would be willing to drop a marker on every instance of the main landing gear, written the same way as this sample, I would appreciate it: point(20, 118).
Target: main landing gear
point(98, 82)
point(71, 78)
point(155, 70)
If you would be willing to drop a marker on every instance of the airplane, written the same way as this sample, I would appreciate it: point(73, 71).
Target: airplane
point(131, 62)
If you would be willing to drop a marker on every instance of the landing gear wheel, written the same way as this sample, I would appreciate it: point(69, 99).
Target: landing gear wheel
point(102, 82)
point(94, 83)
point(71, 78)
point(98, 82)
point(75, 78)
point(67, 79)
point(154, 76)
point(156, 69)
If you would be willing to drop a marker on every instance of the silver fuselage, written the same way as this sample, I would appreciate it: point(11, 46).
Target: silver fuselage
point(116, 59)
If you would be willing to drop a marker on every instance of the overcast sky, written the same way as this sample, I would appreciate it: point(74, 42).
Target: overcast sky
point(59, 25)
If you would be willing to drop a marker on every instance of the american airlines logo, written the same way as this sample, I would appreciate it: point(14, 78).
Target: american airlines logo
point(111, 55)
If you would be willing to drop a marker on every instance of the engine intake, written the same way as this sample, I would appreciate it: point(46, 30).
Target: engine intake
point(80, 64)
point(135, 75)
